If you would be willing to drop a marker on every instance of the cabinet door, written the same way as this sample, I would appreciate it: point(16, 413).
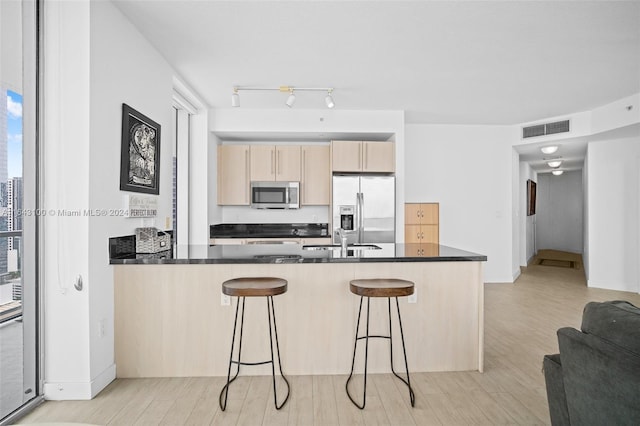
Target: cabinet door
point(227, 241)
point(287, 163)
point(233, 174)
point(429, 234)
point(378, 157)
point(263, 163)
point(346, 156)
point(316, 175)
point(412, 234)
point(412, 214)
point(431, 214)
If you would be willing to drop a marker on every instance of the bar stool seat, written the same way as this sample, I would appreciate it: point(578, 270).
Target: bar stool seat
point(380, 287)
point(255, 287)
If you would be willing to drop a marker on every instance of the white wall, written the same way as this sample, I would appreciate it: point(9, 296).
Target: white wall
point(527, 223)
point(560, 212)
point(105, 63)
point(467, 169)
point(613, 194)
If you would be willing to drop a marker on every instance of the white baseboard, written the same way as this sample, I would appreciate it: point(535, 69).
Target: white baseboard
point(516, 274)
point(79, 390)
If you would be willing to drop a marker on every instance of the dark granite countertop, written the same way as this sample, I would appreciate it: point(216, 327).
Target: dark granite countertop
point(294, 253)
point(268, 230)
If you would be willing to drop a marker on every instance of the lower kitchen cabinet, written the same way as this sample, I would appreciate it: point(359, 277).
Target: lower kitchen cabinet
point(422, 227)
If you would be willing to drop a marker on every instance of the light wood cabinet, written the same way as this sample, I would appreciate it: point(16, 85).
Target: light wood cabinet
point(275, 163)
point(363, 156)
point(315, 241)
point(421, 227)
point(233, 174)
point(316, 175)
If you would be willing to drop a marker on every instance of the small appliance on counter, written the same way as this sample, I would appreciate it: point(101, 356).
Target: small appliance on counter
point(152, 240)
point(275, 195)
point(364, 207)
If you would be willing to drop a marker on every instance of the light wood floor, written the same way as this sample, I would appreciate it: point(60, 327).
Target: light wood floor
point(521, 322)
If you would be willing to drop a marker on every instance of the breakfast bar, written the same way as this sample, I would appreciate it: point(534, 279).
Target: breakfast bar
point(171, 319)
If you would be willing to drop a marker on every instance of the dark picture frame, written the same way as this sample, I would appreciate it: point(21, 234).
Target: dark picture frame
point(140, 153)
point(531, 197)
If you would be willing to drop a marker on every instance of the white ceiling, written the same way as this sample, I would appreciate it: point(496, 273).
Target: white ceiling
point(455, 62)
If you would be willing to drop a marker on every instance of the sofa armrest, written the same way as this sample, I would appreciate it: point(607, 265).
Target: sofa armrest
point(552, 367)
point(601, 380)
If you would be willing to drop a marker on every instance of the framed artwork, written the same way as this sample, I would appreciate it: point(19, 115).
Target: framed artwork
point(140, 153)
point(531, 197)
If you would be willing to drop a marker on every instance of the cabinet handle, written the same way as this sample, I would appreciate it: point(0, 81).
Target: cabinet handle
point(359, 156)
point(279, 162)
point(418, 235)
point(422, 235)
point(272, 161)
point(247, 170)
point(366, 157)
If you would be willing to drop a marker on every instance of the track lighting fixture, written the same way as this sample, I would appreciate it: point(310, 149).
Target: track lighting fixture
point(329, 99)
point(549, 149)
point(554, 164)
point(235, 98)
point(291, 98)
point(557, 172)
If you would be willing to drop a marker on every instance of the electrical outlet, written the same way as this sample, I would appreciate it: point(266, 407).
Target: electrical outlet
point(224, 299)
point(414, 297)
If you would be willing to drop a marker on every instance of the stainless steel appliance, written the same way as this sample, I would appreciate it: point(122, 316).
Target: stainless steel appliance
point(364, 206)
point(275, 195)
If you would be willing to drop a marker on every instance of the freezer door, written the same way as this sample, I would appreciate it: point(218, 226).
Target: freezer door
point(345, 193)
point(378, 201)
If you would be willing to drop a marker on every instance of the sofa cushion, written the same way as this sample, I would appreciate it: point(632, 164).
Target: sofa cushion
point(617, 322)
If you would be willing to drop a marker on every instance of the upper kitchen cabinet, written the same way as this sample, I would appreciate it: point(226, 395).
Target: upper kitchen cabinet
point(275, 163)
point(233, 175)
point(363, 156)
point(316, 175)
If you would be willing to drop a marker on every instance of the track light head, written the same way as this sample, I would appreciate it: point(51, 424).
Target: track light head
point(235, 98)
point(291, 99)
point(329, 100)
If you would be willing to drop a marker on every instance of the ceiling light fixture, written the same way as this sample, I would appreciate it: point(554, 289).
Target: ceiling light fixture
point(557, 172)
point(549, 149)
point(554, 164)
point(291, 99)
point(329, 99)
point(235, 98)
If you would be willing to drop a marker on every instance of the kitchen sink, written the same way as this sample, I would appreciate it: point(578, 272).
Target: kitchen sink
point(337, 247)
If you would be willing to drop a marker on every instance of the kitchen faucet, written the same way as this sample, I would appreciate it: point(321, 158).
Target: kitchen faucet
point(342, 234)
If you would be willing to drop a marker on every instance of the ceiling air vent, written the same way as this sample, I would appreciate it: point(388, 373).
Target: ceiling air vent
point(545, 129)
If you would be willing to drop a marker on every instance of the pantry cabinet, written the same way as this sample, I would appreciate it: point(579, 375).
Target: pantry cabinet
point(363, 156)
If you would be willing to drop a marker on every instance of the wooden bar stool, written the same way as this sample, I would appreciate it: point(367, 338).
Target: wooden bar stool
point(254, 287)
point(380, 287)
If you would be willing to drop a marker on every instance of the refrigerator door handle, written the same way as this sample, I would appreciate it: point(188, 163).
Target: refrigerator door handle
point(361, 218)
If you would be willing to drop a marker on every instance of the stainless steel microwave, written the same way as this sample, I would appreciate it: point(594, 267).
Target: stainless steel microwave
point(275, 195)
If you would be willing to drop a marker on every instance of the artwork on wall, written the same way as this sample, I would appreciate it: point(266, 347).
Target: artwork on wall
point(140, 153)
point(531, 197)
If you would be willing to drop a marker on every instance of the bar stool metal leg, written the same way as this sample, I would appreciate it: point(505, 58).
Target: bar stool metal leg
point(366, 355)
point(225, 389)
point(272, 315)
point(407, 382)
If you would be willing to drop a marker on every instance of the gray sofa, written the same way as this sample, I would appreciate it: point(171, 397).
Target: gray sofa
point(595, 379)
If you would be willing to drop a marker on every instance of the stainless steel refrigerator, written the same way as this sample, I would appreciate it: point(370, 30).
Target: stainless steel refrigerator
point(365, 206)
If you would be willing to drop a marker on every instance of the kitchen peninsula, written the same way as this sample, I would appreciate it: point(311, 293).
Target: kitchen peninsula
point(171, 320)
